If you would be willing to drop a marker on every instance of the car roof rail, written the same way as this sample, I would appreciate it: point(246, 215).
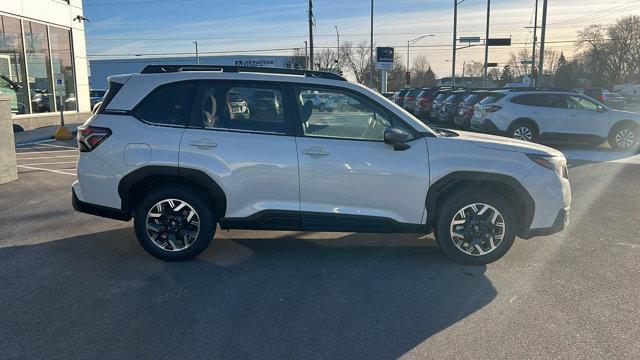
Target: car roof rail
point(157, 69)
point(516, 89)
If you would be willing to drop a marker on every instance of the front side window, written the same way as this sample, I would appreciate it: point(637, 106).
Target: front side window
point(251, 108)
point(580, 103)
point(169, 104)
point(342, 116)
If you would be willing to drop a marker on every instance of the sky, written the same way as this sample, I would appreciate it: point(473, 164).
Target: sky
point(119, 28)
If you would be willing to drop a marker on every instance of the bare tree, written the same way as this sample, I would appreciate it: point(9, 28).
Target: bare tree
point(474, 69)
point(325, 59)
point(356, 60)
point(420, 71)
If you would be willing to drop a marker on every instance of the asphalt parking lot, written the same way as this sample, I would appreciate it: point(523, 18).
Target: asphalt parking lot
point(77, 286)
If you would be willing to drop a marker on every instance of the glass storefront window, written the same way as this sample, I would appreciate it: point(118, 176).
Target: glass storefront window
point(61, 59)
point(13, 79)
point(38, 66)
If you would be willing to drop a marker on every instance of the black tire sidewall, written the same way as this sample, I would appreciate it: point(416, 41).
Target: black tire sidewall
point(197, 200)
point(456, 202)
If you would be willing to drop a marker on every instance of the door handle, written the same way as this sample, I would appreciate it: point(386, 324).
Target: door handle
point(315, 151)
point(203, 144)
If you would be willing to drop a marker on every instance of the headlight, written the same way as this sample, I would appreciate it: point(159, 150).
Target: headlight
point(555, 163)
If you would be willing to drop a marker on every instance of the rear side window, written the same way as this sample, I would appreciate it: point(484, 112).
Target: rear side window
point(491, 98)
point(472, 99)
point(522, 100)
point(168, 104)
point(114, 87)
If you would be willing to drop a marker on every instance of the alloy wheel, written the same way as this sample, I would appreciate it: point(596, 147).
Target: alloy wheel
point(477, 229)
point(172, 225)
point(523, 133)
point(625, 138)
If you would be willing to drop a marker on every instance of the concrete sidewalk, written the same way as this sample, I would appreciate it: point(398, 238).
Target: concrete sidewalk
point(39, 134)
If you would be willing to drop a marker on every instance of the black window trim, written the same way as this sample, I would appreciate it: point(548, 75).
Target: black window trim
point(202, 83)
point(299, 132)
point(133, 111)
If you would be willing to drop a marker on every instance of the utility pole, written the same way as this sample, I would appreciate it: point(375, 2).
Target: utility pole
point(455, 42)
point(310, 34)
point(371, 65)
point(542, 39)
point(535, 38)
point(197, 55)
point(338, 54)
point(306, 56)
point(486, 44)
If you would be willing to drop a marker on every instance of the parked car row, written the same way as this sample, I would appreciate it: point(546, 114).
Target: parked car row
point(588, 115)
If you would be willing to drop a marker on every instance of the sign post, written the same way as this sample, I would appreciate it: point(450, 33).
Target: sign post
point(384, 62)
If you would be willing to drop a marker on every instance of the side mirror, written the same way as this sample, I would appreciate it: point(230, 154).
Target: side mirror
point(600, 109)
point(396, 137)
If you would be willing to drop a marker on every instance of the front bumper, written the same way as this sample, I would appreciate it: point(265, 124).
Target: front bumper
point(561, 222)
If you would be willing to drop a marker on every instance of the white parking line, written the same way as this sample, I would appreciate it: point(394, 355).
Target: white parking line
point(48, 157)
point(58, 146)
point(52, 163)
point(49, 170)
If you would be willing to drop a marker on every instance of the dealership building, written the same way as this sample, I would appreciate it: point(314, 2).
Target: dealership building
point(103, 68)
point(43, 64)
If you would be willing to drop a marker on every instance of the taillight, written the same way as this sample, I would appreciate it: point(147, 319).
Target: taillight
point(602, 98)
point(89, 137)
point(491, 108)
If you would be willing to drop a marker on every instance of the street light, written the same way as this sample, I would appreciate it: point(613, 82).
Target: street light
point(197, 57)
point(338, 55)
point(411, 42)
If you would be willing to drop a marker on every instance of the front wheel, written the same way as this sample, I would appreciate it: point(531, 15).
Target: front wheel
point(476, 227)
point(174, 223)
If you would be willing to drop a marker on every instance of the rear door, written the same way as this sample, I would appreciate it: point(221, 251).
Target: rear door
point(250, 153)
point(549, 111)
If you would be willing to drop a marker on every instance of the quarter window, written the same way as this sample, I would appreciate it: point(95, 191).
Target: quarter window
point(168, 105)
point(341, 115)
point(580, 103)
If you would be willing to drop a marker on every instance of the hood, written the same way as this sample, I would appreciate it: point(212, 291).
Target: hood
point(506, 144)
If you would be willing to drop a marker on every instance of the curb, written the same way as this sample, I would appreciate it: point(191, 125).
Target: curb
point(42, 138)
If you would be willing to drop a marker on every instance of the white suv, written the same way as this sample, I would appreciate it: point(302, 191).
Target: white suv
point(167, 148)
point(532, 115)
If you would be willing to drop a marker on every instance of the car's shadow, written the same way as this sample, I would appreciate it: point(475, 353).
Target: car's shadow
point(359, 296)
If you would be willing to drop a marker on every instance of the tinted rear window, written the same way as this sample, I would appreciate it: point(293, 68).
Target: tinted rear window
point(473, 99)
point(491, 98)
point(114, 87)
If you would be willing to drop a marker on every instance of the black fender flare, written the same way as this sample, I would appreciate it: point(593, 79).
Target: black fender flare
point(476, 179)
point(193, 177)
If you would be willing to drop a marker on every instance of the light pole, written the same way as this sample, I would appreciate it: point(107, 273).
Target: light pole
point(409, 43)
point(306, 56)
point(338, 54)
point(486, 44)
point(455, 39)
point(371, 64)
point(197, 56)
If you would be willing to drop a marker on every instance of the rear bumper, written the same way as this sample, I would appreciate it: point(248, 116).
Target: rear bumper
point(561, 222)
point(97, 210)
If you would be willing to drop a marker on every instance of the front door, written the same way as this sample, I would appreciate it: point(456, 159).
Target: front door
point(349, 178)
point(550, 113)
point(242, 138)
point(586, 118)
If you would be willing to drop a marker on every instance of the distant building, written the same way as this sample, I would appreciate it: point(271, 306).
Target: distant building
point(102, 68)
point(43, 66)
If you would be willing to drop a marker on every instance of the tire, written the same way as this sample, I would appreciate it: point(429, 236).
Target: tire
point(322, 107)
point(17, 128)
point(463, 249)
point(170, 221)
point(623, 136)
point(523, 130)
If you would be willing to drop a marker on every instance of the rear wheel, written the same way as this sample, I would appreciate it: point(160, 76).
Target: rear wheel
point(523, 130)
point(174, 223)
point(623, 136)
point(476, 227)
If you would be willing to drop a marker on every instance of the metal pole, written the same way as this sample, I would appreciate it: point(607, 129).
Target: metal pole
point(535, 38)
point(407, 80)
point(542, 38)
point(371, 50)
point(455, 35)
point(338, 55)
point(384, 81)
point(464, 64)
point(310, 34)
point(197, 56)
point(306, 56)
point(486, 44)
